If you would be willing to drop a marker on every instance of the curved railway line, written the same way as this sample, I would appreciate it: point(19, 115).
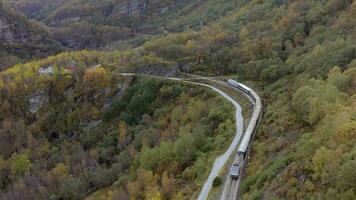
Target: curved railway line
point(232, 182)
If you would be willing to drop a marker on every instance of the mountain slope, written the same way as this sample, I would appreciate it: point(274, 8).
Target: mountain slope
point(300, 56)
point(82, 24)
point(21, 39)
point(82, 127)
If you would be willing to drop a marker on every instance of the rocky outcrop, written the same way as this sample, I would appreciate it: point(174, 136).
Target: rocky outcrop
point(21, 39)
point(16, 29)
point(79, 24)
point(72, 11)
point(36, 100)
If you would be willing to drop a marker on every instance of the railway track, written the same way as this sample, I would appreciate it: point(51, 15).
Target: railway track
point(231, 185)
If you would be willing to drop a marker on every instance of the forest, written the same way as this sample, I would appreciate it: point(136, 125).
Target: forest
point(93, 128)
point(299, 54)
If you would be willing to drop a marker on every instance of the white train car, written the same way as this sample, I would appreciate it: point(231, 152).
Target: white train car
point(255, 118)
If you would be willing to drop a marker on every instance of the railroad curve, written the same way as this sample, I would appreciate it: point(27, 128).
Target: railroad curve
point(221, 160)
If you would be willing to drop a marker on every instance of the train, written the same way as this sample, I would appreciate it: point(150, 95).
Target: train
point(235, 171)
point(251, 128)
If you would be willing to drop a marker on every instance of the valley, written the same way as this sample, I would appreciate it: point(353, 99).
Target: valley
point(72, 127)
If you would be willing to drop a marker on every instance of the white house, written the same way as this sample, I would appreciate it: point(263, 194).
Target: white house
point(46, 71)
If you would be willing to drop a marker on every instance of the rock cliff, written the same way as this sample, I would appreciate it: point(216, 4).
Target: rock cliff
point(21, 39)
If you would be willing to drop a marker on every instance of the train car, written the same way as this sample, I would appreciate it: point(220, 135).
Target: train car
point(253, 97)
point(235, 171)
point(245, 142)
point(244, 88)
point(256, 115)
point(233, 83)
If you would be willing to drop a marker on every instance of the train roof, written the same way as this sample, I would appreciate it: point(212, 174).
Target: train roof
point(244, 144)
point(244, 86)
point(232, 81)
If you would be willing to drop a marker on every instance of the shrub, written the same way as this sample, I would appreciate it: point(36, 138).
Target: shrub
point(217, 182)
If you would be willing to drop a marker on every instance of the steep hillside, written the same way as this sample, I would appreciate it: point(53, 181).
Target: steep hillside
point(22, 40)
point(299, 55)
point(79, 127)
point(35, 9)
point(137, 14)
point(82, 24)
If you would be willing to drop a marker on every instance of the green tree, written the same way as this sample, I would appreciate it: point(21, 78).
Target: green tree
point(346, 176)
point(149, 158)
point(166, 153)
point(184, 149)
point(217, 182)
point(19, 164)
point(336, 78)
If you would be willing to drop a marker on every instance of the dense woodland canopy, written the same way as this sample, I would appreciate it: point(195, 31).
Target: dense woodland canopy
point(301, 54)
point(94, 128)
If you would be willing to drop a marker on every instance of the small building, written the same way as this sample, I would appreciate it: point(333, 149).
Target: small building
point(46, 71)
